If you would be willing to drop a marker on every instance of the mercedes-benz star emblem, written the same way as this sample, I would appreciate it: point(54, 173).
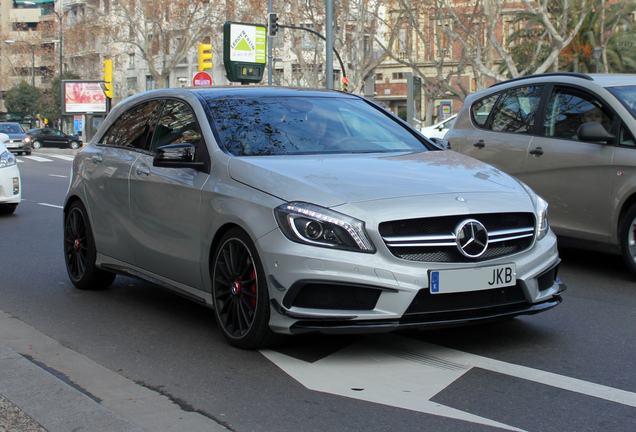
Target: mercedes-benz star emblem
point(472, 238)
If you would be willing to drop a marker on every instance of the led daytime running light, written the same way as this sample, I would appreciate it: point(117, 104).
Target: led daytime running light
point(360, 241)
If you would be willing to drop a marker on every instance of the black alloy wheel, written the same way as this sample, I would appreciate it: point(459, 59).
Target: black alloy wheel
point(241, 300)
point(80, 251)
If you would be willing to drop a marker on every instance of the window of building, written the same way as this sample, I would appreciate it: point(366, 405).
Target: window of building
point(398, 75)
point(151, 84)
point(379, 77)
point(131, 61)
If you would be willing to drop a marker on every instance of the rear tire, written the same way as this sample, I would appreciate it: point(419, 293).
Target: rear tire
point(74, 145)
point(80, 251)
point(240, 293)
point(628, 239)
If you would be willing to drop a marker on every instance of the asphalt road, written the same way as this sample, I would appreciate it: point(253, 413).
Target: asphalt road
point(569, 369)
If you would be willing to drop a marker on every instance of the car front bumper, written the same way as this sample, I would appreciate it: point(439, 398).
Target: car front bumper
point(321, 290)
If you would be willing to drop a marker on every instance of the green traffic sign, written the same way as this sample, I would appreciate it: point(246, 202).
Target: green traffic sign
point(244, 51)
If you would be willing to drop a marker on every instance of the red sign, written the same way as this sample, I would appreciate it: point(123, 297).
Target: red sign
point(202, 79)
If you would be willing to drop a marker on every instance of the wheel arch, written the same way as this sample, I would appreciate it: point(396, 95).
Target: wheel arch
point(627, 204)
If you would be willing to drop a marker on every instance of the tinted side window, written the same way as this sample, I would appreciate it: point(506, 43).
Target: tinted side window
point(177, 124)
point(135, 127)
point(110, 137)
point(516, 110)
point(481, 110)
point(568, 109)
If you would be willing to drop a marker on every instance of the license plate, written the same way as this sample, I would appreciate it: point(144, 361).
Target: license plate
point(11, 145)
point(474, 279)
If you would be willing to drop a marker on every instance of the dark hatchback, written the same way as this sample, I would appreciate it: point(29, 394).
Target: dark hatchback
point(53, 138)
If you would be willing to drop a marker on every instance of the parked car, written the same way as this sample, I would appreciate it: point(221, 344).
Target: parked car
point(47, 137)
point(293, 211)
point(18, 142)
point(438, 130)
point(10, 183)
point(570, 137)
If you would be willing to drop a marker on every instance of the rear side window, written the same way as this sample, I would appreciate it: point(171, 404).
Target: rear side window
point(516, 110)
point(481, 109)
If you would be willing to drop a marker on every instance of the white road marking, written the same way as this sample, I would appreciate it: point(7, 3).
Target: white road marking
point(63, 157)
point(406, 373)
point(37, 158)
point(58, 175)
point(50, 205)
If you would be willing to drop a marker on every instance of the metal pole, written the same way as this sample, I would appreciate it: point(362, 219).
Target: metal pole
point(269, 48)
point(329, 40)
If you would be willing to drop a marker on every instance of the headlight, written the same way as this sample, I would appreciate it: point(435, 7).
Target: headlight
point(27, 139)
point(543, 227)
point(7, 159)
point(318, 226)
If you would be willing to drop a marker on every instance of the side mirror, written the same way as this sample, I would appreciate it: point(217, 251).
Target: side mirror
point(594, 131)
point(442, 143)
point(179, 155)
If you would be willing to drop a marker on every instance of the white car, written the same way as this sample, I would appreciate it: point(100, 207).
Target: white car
point(10, 183)
point(438, 130)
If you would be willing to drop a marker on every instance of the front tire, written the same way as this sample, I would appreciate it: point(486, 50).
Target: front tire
point(80, 252)
point(239, 290)
point(628, 239)
point(37, 144)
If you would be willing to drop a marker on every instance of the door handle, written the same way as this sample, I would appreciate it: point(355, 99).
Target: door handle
point(142, 170)
point(97, 159)
point(480, 144)
point(537, 151)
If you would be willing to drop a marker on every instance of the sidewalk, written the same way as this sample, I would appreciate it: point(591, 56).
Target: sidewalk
point(47, 387)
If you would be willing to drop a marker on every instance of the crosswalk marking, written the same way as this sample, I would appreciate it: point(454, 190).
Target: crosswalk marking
point(68, 158)
point(38, 158)
point(64, 157)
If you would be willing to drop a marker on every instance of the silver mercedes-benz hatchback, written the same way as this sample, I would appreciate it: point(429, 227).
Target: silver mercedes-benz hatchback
point(291, 211)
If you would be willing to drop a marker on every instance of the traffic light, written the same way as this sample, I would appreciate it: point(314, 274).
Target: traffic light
point(272, 24)
point(108, 79)
point(345, 84)
point(205, 53)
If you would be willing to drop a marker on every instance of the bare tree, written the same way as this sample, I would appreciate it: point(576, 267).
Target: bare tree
point(162, 31)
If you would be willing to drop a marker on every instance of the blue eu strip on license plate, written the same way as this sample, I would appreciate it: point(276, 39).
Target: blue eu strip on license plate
point(435, 282)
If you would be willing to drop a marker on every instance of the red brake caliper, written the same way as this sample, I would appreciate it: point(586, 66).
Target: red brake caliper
point(253, 287)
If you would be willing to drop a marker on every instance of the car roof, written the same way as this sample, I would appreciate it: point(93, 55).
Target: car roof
point(603, 80)
point(224, 92)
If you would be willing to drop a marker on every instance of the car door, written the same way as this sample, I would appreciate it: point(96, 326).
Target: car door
point(505, 122)
point(58, 139)
point(574, 176)
point(46, 137)
point(165, 202)
point(109, 195)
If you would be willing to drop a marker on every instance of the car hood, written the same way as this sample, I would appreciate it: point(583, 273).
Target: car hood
point(333, 180)
point(16, 135)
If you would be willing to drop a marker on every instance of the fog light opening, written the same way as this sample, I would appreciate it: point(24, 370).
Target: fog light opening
point(16, 185)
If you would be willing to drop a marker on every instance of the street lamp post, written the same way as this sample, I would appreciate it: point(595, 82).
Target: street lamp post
point(32, 71)
point(597, 55)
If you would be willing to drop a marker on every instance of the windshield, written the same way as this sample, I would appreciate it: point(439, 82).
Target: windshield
point(627, 96)
point(9, 128)
point(289, 125)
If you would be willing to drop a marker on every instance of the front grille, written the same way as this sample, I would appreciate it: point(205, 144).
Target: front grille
point(426, 303)
point(434, 239)
point(336, 297)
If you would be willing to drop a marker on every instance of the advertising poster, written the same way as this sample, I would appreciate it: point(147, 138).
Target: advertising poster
point(84, 97)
